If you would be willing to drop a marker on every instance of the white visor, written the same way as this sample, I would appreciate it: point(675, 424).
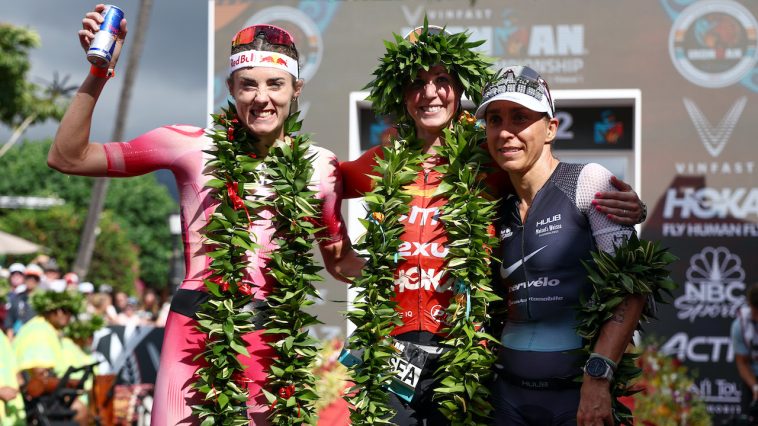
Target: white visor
point(521, 85)
point(262, 58)
point(522, 99)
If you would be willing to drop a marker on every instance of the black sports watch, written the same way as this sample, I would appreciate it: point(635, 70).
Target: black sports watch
point(599, 368)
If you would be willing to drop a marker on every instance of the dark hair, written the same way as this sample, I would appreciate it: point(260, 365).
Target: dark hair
point(752, 295)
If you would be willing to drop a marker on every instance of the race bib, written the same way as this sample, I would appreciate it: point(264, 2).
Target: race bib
point(407, 366)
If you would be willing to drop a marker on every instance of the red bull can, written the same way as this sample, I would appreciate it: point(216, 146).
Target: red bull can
point(102, 46)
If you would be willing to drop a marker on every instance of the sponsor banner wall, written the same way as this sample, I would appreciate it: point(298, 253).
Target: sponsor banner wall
point(694, 63)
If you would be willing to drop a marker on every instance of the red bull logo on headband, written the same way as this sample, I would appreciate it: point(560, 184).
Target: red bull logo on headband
point(274, 59)
point(252, 58)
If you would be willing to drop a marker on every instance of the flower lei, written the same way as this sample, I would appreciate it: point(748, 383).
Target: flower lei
point(638, 267)
point(237, 170)
point(467, 216)
point(375, 315)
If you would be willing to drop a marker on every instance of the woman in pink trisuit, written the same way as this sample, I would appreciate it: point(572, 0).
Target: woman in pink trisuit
point(263, 92)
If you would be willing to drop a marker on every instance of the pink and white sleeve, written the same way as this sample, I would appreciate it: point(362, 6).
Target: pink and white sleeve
point(157, 149)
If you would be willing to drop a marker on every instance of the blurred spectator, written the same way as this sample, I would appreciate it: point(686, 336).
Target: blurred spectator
point(150, 306)
point(77, 345)
point(163, 314)
point(119, 301)
point(100, 304)
point(72, 280)
point(51, 270)
point(58, 285)
point(129, 316)
point(16, 277)
point(11, 404)
point(744, 333)
point(20, 311)
point(38, 345)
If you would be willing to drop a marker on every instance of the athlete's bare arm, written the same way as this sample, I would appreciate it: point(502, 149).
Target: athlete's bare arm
point(72, 151)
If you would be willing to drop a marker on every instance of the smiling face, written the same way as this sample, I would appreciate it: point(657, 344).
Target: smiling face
point(263, 96)
point(517, 137)
point(432, 100)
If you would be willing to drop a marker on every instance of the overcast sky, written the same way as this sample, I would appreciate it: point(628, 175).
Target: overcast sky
point(171, 80)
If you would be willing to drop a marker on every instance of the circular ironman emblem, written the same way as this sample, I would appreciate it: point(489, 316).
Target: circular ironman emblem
point(304, 31)
point(713, 43)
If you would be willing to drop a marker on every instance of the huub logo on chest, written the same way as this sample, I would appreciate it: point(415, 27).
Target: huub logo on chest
point(548, 220)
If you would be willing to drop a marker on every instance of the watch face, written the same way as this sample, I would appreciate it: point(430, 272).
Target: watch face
point(596, 367)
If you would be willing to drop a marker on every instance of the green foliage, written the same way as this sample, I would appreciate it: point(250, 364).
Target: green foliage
point(291, 383)
point(404, 59)
point(80, 329)
point(5, 288)
point(223, 318)
point(638, 267)
point(140, 205)
point(44, 301)
point(375, 314)
point(19, 98)
point(114, 260)
point(467, 215)
point(237, 168)
point(16, 92)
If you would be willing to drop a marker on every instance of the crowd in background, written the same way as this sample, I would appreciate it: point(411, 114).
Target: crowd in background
point(117, 307)
point(49, 319)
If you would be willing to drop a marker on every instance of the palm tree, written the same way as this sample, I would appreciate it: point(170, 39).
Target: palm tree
point(52, 105)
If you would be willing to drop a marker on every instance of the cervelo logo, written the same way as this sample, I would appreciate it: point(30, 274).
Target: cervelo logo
point(714, 287)
point(701, 349)
point(539, 282)
point(713, 43)
point(424, 279)
point(714, 138)
point(708, 203)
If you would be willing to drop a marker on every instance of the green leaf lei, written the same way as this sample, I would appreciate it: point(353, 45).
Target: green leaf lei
point(375, 315)
point(461, 395)
point(403, 60)
point(291, 382)
point(467, 216)
point(237, 169)
point(638, 267)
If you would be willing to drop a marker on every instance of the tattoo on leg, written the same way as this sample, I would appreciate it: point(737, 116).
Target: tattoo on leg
point(620, 313)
